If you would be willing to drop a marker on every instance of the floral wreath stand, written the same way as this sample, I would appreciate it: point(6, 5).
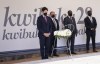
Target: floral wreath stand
point(66, 33)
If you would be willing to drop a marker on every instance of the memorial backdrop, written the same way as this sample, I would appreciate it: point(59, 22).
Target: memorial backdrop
point(18, 21)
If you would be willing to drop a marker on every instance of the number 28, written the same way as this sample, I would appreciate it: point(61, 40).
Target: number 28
point(82, 12)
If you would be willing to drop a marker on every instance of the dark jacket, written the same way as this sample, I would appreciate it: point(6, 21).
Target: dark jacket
point(43, 26)
point(53, 25)
point(72, 21)
point(89, 24)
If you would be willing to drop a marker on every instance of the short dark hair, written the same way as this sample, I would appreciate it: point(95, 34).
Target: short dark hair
point(69, 11)
point(44, 8)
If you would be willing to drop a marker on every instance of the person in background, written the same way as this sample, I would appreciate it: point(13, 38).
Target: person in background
point(71, 20)
point(53, 41)
point(91, 25)
point(44, 27)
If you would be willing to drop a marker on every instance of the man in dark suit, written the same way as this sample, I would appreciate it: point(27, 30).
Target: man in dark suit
point(90, 24)
point(53, 41)
point(44, 27)
point(71, 20)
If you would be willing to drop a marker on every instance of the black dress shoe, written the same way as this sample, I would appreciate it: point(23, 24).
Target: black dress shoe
point(95, 51)
point(73, 53)
point(87, 51)
point(56, 55)
point(50, 56)
point(68, 53)
point(45, 58)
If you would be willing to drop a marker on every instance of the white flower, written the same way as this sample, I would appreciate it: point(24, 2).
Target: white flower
point(67, 32)
point(63, 33)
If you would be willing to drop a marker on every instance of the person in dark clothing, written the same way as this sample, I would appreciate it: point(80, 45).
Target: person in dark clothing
point(45, 29)
point(91, 25)
point(53, 41)
point(70, 20)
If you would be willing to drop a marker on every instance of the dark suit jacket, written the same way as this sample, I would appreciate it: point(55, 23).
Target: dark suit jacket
point(43, 26)
point(89, 24)
point(53, 26)
point(67, 21)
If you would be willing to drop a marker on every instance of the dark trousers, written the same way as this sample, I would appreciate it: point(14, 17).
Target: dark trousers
point(91, 35)
point(53, 43)
point(71, 40)
point(44, 46)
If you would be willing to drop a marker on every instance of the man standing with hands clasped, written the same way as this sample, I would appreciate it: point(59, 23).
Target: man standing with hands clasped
point(44, 27)
point(90, 24)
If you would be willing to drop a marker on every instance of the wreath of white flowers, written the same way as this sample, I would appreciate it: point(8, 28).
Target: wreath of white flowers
point(63, 33)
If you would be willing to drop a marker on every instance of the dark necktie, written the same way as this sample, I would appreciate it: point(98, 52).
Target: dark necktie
point(45, 18)
point(71, 19)
point(71, 26)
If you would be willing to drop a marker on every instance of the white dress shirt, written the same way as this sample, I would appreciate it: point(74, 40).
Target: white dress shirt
point(54, 21)
point(90, 17)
